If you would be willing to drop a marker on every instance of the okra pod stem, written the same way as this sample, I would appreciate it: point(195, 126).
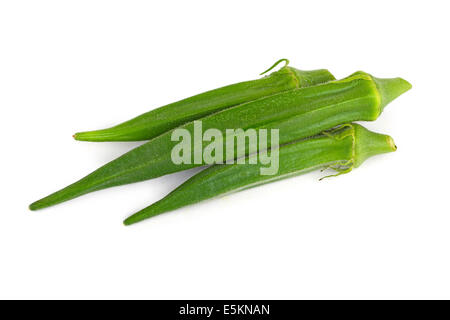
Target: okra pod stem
point(297, 113)
point(160, 120)
point(341, 149)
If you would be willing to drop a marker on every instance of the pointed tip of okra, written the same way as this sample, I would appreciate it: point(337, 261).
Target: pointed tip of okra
point(39, 204)
point(35, 206)
point(132, 220)
point(95, 136)
point(82, 136)
point(109, 134)
point(390, 88)
point(148, 212)
point(368, 144)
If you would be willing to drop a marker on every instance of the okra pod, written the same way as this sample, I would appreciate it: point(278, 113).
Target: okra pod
point(341, 149)
point(297, 113)
point(160, 120)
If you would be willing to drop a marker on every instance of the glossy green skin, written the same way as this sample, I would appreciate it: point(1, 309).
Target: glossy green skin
point(297, 114)
point(342, 149)
point(160, 120)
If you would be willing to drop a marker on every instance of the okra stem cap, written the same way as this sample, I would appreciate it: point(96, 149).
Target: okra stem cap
point(368, 144)
point(390, 88)
point(308, 78)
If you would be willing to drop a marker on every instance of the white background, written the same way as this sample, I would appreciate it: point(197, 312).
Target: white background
point(382, 231)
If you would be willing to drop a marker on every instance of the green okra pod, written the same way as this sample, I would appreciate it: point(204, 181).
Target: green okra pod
point(341, 149)
point(297, 114)
point(160, 120)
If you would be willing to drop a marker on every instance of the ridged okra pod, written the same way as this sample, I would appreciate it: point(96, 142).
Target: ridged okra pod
point(160, 120)
point(297, 113)
point(341, 149)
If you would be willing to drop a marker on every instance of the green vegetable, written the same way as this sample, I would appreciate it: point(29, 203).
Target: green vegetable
point(341, 149)
point(160, 120)
point(297, 114)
